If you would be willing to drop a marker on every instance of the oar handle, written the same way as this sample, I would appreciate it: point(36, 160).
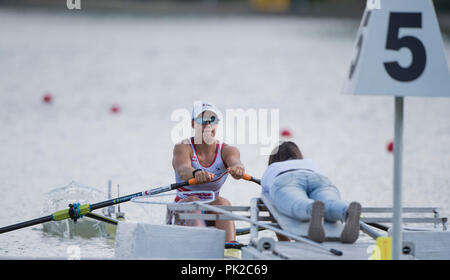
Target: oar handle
point(247, 177)
point(194, 181)
point(251, 178)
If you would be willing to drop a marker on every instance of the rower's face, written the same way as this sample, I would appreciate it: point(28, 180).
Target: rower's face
point(207, 129)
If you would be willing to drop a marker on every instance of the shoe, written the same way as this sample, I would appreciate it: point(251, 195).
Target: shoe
point(316, 231)
point(350, 233)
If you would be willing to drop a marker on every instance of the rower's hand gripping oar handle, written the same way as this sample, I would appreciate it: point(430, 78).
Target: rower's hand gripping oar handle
point(173, 186)
point(194, 181)
point(247, 177)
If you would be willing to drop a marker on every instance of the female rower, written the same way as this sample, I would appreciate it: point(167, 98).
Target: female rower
point(209, 161)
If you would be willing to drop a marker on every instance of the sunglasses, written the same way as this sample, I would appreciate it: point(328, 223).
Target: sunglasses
point(212, 120)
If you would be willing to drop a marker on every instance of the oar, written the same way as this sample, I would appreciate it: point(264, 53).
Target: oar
point(76, 211)
point(277, 230)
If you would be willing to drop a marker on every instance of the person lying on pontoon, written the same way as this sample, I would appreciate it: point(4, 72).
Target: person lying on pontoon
point(298, 188)
point(209, 161)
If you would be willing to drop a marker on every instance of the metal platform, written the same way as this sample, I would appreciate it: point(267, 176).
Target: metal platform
point(419, 243)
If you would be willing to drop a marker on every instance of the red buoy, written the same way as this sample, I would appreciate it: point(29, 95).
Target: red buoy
point(115, 109)
point(390, 146)
point(286, 133)
point(47, 98)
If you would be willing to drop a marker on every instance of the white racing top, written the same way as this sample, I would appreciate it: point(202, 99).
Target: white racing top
point(217, 167)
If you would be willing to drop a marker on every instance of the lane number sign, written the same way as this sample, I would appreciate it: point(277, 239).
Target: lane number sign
point(399, 51)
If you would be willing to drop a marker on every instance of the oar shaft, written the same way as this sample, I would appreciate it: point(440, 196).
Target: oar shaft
point(147, 192)
point(26, 224)
point(114, 201)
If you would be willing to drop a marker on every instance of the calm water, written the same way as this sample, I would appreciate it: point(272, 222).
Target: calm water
point(152, 66)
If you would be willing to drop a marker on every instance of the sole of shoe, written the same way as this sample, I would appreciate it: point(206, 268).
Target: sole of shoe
point(350, 233)
point(316, 232)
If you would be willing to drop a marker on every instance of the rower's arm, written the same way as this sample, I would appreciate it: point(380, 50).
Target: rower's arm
point(181, 161)
point(232, 159)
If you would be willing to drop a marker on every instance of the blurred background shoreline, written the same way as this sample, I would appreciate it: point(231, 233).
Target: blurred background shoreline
point(311, 8)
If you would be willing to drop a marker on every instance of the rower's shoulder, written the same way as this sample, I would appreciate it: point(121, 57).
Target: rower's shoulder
point(183, 145)
point(184, 142)
point(229, 149)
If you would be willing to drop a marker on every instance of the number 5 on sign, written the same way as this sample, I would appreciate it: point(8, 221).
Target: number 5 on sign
point(399, 51)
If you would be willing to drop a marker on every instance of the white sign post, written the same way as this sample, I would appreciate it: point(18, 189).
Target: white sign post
point(399, 52)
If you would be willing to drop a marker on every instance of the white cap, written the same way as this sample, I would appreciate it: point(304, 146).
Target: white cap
point(202, 106)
